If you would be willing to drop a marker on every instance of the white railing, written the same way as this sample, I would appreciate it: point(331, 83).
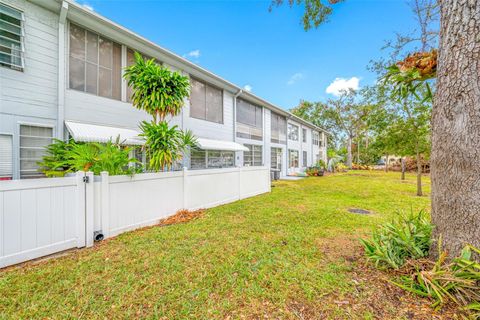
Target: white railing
point(39, 217)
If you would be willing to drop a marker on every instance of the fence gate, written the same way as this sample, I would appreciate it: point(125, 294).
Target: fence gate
point(39, 217)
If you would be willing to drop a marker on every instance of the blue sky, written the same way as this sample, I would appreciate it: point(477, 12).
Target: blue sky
point(270, 52)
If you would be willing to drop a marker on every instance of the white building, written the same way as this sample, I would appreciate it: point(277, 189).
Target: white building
point(61, 74)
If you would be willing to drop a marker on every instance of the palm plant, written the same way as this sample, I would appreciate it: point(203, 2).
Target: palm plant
point(160, 92)
point(156, 90)
point(165, 145)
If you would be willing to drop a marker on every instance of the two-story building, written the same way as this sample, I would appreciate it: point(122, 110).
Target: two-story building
point(61, 68)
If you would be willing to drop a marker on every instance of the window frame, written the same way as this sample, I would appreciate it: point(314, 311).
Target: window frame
point(98, 65)
point(291, 125)
point(304, 158)
point(276, 133)
point(206, 85)
point(251, 149)
point(290, 152)
point(18, 147)
point(206, 159)
point(278, 166)
point(12, 157)
point(21, 42)
point(252, 129)
point(304, 135)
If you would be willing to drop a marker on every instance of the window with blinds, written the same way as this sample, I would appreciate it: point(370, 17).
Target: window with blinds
point(11, 38)
point(6, 157)
point(278, 128)
point(210, 159)
point(304, 158)
point(253, 157)
point(249, 120)
point(304, 135)
point(206, 101)
point(315, 139)
point(33, 141)
point(95, 64)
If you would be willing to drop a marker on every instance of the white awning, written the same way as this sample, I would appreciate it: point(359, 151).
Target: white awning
point(207, 144)
point(94, 133)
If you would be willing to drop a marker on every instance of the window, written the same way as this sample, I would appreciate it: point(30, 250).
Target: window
point(249, 120)
point(253, 157)
point(315, 139)
point(33, 141)
point(293, 158)
point(94, 64)
point(276, 158)
point(203, 159)
point(304, 159)
point(206, 102)
point(278, 128)
point(6, 157)
point(131, 61)
point(11, 38)
point(292, 132)
point(304, 135)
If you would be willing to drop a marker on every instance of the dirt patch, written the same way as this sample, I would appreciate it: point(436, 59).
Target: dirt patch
point(370, 293)
point(182, 216)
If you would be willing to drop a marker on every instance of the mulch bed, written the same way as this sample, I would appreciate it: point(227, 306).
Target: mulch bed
point(182, 216)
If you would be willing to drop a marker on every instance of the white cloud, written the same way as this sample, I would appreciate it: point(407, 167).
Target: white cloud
point(87, 6)
point(296, 77)
point(341, 84)
point(247, 87)
point(193, 54)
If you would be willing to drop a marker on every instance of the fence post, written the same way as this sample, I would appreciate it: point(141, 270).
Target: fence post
point(80, 209)
point(185, 181)
point(89, 209)
point(105, 204)
point(239, 183)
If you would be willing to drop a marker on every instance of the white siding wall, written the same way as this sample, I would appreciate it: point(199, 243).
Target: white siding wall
point(33, 91)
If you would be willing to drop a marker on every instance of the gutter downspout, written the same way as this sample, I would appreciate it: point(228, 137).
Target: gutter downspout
point(61, 70)
point(240, 91)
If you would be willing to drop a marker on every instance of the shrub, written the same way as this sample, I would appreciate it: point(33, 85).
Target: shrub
point(407, 237)
point(341, 167)
point(457, 281)
point(66, 157)
point(314, 171)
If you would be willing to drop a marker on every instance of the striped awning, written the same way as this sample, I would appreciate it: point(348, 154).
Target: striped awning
point(86, 132)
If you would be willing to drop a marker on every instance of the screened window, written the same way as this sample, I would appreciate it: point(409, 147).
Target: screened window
point(276, 158)
point(249, 120)
point(208, 159)
point(304, 135)
point(315, 139)
point(33, 141)
point(11, 38)
point(94, 64)
point(293, 158)
point(304, 158)
point(278, 128)
point(206, 102)
point(6, 157)
point(252, 157)
point(292, 132)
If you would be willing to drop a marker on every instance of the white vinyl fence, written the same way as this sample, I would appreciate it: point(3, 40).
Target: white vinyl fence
point(39, 217)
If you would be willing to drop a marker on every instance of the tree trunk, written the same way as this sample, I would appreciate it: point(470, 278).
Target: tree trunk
point(386, 163)
point(455, 160)
point(358, 151)
point(419, 175)
point(403, 168)
point(349, 152)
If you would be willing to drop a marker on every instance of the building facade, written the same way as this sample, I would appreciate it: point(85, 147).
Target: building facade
point(61, 69)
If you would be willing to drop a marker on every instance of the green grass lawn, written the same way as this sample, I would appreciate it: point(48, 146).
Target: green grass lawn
point(289, 254)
